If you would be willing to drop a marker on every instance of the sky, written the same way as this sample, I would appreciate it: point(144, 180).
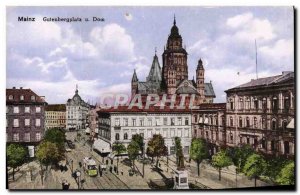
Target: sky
point(52, 57)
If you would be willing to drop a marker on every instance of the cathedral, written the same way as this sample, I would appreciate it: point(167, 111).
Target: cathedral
point(172, 78)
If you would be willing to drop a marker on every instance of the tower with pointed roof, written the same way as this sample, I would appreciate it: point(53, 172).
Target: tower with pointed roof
point(174, 57)
point(134, 84)
point(172, 78)
point(200, 81)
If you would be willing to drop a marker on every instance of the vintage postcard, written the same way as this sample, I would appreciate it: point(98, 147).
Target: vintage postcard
point(150, 98)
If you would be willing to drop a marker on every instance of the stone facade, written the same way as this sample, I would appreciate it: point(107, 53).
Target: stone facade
point(172, 78)
point(259, 113)
point(209, 123)
point(122, 123)
point(76, 113)
point(25, 117)
point(56, 116)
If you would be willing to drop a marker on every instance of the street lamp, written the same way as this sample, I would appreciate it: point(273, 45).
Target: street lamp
point(143, 160)
point(78, 178)
point(71, 165)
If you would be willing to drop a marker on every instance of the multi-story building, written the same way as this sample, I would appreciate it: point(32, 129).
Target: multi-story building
point(261, 113)
point(93, 121)
point(209, 123)
point(25, 117)
point(122, 123)
point(172, 78)
point(76, 113)
point(55, 116)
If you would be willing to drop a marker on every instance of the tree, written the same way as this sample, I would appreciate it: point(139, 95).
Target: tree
point(16, 155)
point(198, 151)
point(140, 141)
point(274, 167)
point(255, 166)
point(156, 147)
point(48, 153)
point(133, 151)
point(118, 148)
point(221, 160)
point(56, 136)
point(239, 155)
point(287, 174)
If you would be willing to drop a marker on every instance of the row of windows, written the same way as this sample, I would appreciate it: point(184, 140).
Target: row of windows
point(55, 121)
point(165, 134)
point(16, 122)
point(26, 138)
point(16, 109)
point(55, 117)
point(11, 97)
point(254, 124)
point(157, 122)
point(257, 104)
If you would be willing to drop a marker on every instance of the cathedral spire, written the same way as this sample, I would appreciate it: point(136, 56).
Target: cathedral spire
point(200, 64)
point(134, 77)
point(174, 23)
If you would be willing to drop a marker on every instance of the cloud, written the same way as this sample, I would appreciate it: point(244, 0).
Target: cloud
point(113, 43)
point(249, 27)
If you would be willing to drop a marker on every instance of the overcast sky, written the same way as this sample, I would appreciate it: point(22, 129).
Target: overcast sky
point(52, 57)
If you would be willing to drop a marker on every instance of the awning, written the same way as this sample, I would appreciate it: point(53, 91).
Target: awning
point(102, 146)
point(291, 125)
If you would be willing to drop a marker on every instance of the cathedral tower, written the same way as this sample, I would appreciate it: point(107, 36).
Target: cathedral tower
point(176, 56)
point(200, 81)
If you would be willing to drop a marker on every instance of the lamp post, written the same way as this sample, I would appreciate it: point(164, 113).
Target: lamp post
point(78, 174)
point(143, 160)
point(71, 165)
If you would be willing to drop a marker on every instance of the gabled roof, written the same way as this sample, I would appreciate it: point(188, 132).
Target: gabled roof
point(155, 71)
point(186, 87)
point(286, 75)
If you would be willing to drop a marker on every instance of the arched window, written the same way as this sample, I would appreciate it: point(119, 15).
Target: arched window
point(248, 103)
point(241, 104)
point(284, 124)
point(223, 121)
point(264, 123)
point(241, 122)
point(22, 97)
point(274, 124)
point(231, 104)
point(231, 121)
point(255, 102)
point(125, 136)
point(247, 122)
point(274, 104)
point(286, 102)
point(255, 122)
point(10, 97)
point(264, 103)
point(263, 143)
point(117, 136)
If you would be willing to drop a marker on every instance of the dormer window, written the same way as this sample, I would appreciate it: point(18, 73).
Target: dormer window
point(22, 97)
point(10, 97)
point(32, 98)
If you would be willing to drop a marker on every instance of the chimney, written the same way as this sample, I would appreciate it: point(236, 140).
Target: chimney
point(14, 87)
point(21, 87)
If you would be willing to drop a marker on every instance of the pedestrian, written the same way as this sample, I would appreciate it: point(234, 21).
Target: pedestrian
point(100, 173)
point(122, 172)
point(80, 164)
point(115, 169)
point(110, 169)
point(111, 161)
point(106, 162)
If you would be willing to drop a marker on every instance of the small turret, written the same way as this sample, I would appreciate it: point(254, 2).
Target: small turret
point(134, 84)
point(200, 81)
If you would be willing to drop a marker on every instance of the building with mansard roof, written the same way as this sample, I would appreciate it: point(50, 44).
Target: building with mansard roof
point(25, 118)
point(172, 78)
